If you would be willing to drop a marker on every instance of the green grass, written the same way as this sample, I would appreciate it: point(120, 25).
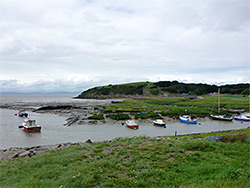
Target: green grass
point(135, 162)
point(148, 115)
point(118, 116)
point(173, 107)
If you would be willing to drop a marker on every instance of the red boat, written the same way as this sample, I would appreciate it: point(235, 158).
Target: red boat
point(31, 126)
point(131, 124)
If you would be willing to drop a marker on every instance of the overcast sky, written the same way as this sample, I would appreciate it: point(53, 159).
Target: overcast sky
point(72, 45)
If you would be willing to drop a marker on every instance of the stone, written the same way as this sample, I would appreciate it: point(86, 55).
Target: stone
point(88, 141)
point(8, 155)
point(25, 154)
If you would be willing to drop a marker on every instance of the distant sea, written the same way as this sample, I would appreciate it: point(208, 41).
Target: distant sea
point(43, 98)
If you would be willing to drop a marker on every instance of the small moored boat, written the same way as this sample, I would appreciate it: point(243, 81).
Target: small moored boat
point(242, 118)
point(22, 113)
point(131, 124)
point(187, 119)
point(159, 122)
point(31, 126)
point(223, 117)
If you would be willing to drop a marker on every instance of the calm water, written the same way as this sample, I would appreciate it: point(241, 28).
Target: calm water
point(46, 98)
point(53, 131)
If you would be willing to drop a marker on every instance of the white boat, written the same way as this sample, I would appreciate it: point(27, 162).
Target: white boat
point(131, 124)
point(159, 122)
point(245, 116)
point(188, 119)
point(31, 126)
point(242, 118)
point(223, 117)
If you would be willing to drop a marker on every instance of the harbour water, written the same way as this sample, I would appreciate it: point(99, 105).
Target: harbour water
point(54, 132)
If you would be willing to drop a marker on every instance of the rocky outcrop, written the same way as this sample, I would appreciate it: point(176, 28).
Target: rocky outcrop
point(13, 153)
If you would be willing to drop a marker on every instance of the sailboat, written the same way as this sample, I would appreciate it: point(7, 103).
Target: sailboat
point(223, 117)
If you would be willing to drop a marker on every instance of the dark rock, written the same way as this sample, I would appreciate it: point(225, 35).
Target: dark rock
point(88, 141)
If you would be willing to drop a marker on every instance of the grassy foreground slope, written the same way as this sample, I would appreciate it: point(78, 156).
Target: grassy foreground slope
point(136, 162)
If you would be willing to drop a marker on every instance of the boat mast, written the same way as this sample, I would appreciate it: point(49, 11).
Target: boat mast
point(249, 97)
point(218, 100)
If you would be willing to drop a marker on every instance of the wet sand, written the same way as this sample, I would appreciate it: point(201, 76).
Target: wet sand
point(75, 113)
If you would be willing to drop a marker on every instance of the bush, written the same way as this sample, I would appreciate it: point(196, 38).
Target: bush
point(233, 138)
point(147, 115)
point(199, 146)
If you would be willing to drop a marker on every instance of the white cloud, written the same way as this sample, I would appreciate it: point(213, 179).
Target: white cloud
point(79, 41)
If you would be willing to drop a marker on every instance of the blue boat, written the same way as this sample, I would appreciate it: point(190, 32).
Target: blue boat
point(242, 118)
point(22, 114)
point(160, 123)
point(187, 119)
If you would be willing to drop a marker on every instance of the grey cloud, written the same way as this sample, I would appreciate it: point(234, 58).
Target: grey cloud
point(62, 39)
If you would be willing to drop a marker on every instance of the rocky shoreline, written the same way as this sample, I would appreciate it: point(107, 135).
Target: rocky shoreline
point(13, 153)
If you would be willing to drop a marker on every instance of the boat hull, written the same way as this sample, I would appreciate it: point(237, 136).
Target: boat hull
point(32, 129)
point(132, 126)
point(241, 119)
point(221, 118)
point(160, 124)
point(187, 119)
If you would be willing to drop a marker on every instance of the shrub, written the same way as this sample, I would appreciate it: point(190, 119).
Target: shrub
point(199, 146)
point(147, 115)
point(233, 138)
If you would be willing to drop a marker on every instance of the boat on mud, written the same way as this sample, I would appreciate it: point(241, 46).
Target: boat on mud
point(242, 118)
point(222, 117)
point(159, 122)
point(131, 124)
point(188, 119)
point(31, 126)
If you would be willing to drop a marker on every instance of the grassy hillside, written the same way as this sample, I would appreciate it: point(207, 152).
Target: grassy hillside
point(137, 162)
point(162, 88)
point(111, 91)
